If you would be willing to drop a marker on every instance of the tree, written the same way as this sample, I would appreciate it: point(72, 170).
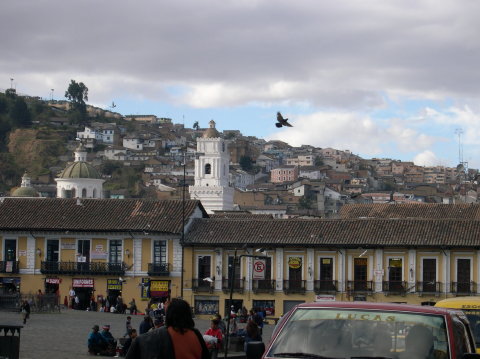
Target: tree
point(19, 114)
point(196, 126)
point(318, 161)
point(246, 163)
point(77, 93)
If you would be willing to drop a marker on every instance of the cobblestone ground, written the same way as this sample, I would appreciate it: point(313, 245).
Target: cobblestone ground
point(64, 335)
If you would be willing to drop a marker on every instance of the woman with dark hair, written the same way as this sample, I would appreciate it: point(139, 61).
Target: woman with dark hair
point(178, 339)
point(252, 333)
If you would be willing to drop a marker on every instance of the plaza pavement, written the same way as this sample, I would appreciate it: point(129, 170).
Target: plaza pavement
point(64, 335)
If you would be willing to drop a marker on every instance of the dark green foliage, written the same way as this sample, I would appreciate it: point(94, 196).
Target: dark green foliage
point(318, 161)
point(77, 93)
point(19, 114)
point(10, 173)
point(246, 163)
point(109, 167)
point(305, 202)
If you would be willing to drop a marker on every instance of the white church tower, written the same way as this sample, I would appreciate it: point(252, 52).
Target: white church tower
point(211, 172)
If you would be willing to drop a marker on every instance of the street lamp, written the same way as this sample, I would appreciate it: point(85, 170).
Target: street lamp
point(231, 280)
point(182, 242)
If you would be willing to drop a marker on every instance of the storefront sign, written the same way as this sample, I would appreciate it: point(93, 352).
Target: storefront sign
point(145, 288)
point(99, 247)
point(83, 282)
point(81, 259)
point(114, 284)
point(98, 255)
point(294, 262)
point(324, 298)
point(22, 253)
point(259, 266)
point(159, 288)
point(53, 280)
point(67, 245)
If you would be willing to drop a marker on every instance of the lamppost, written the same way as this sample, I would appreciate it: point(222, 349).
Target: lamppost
point(182, 242)
point(232, 281)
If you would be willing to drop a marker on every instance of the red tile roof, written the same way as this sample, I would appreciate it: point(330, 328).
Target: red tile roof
point(411, 210)
point(335, 233)
point(95, 214)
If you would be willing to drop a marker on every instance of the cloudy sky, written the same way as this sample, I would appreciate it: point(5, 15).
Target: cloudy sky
point(396, 79)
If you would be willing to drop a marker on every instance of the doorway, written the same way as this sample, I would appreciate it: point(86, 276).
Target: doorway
point(360, 274)
point(84, 296)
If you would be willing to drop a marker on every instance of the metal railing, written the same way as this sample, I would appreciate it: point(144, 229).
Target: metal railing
point(360, 286)
point(294, 286)
point(91, 268)
point(263, 285)
point(429, 287)
point(158, 269)
point(463, 288)
point(325, 286)
point(9, 267)
point(394, 287)
point(201, 285)
point(238, 285)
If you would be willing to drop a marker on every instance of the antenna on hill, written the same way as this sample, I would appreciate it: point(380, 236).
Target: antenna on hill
point(459, 133)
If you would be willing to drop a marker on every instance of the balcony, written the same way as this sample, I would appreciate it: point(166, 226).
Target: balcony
point(294, 286)
point(263, 286)
point(325, 286)
point(463, 288)
point(9, 266)
point(360, 286)
point(238, 285)
point(428, 288)
point(203, 286)
point(158, 269)
point(394, 287)
point(76, 268)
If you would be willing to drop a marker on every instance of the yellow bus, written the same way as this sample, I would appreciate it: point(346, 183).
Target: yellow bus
point(471, 307)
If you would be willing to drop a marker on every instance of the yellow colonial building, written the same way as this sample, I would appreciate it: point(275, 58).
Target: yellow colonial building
point(99, 248)
point(146, 250)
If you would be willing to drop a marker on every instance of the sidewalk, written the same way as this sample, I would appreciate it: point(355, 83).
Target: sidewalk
point(64, 335)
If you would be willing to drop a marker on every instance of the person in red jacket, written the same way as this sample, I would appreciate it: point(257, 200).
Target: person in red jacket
point(216, 332)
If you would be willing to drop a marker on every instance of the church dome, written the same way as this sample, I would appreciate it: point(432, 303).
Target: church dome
point(80, 170)
point(25, 192)
point(212, 131)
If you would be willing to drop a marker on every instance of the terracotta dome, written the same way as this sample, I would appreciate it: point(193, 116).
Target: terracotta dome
point(212, 131)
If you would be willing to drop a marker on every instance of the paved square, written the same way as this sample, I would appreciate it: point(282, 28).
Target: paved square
point(64, 335)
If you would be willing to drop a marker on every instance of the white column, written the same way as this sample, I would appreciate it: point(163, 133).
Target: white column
point(341, 270)
point(412, 272)
point(311, 265)
point(137, 255)
point(248, 279)
point(279, 266)
point(380, 269)
point(478, 271)
point(218, 264)
point(31, 251)
point(446, 271)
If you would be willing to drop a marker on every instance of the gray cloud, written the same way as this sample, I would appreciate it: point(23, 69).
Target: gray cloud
point(340, 54)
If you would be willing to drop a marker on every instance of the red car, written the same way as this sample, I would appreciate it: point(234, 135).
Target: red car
point(371, 330)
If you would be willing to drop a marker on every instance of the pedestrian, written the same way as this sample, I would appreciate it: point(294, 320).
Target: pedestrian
point(221, 323)
point(252, 333)
point(96, 342)
point(25, 308)
point(128, 325)
point(120, 308)
point(133, 306)
point(157, 323)
point(132, 334)
point(215, 339)
point(178, 339)
point(77, 302)
point(111, 342)
point(71, 294)
point(145, 325)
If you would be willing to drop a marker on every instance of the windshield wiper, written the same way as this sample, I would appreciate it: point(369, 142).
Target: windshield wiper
point(303, 355)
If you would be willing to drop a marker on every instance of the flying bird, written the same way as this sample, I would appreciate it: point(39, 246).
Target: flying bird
point(282, 121)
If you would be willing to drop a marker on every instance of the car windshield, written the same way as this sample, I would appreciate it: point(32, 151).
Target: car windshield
point(473, 316)
point(342, 333)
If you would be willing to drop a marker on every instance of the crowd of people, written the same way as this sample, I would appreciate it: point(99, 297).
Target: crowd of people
point(166, 326)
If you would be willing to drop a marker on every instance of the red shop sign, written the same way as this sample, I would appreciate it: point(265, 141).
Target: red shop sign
point(53, 280)
point(83, 283)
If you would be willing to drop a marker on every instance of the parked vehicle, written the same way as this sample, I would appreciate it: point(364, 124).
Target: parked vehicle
point(471, 307)
point(371, 330)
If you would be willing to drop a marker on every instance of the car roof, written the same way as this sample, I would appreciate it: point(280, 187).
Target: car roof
point(380, 306)
point(459, 302)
